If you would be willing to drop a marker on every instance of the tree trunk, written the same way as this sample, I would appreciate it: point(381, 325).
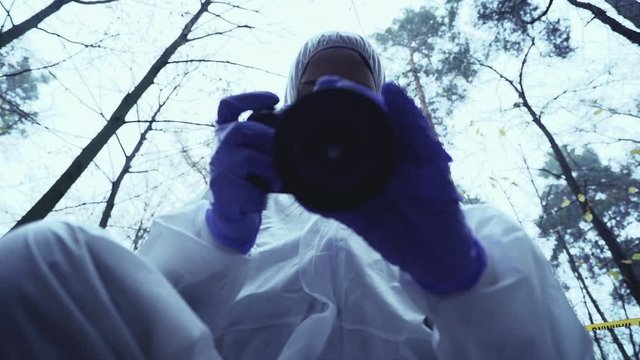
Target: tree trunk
point(581, 279)
point(632, 340)
point(51, 198)
point(596, 337)
point(415, 76)
point(141, 233)
point(598, 223)
point(115, 185)
point(422, 98)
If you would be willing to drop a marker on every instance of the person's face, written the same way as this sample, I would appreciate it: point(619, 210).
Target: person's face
point(342, 62)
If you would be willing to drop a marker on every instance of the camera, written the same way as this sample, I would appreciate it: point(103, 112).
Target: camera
point(334, 149)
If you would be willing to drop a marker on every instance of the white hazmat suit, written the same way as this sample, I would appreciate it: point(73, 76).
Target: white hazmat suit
point(310, 288)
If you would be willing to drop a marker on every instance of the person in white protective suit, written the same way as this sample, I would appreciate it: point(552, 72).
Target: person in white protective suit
point(242, 274)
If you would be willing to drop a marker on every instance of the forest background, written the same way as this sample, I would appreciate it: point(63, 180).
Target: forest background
point(107, 110)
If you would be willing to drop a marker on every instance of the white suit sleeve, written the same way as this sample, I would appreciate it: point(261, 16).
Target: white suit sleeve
point(182, 248)
point(516, 311)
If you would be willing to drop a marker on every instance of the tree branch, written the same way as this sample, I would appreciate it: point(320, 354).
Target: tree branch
point(94, 45)
point(124, 152)
point(143, 229)
point(575, 269)
point(616, 112)
point(629, 140)
point(16, 109)
point(537, 18)
point(533, 183)
point(588, 86)
point(233, 6)
point(521, 73)
point(223, 32)
point(158, 121)
point(218, 16)
point(52, 196)
point(126, 167)
point(612, 138)
point(86, 46)
point(194, 164)
point(93, 2)
point(8, 16)
point(24, 71)
point(18, 30)
point(615, 25)
point(77, 206)
point(603, 231)
point(499, 74)
point(555, 175)
point(225, 62)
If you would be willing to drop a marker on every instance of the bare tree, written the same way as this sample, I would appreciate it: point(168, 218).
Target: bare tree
point(623, 302)
point(20, 79)
point(583, 283)
point(573, 264)
point(52, 196)
point(17, 30)
point(142, 228)
point(126, 167)
point(199, 165)
point(601, 227)
point(20, 83)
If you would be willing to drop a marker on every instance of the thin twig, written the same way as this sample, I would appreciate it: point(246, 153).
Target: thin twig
point(223, 32)
point(233, 6)
point(79, 205)
point(24, 71)
point(225, 62)
point(80, 100)
point(168, 121)
point(8, 11)
point(83, 2)
point(72, 41)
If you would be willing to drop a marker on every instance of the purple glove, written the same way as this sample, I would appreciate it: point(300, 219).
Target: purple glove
point(245, 150)
point(416, 223)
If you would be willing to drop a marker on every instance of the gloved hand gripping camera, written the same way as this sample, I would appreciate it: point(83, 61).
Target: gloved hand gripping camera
point(334, 149)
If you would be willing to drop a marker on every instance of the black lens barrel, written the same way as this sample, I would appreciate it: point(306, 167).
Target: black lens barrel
point(334, 149)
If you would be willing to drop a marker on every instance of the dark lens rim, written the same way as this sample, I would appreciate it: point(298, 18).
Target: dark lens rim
point(304, 117)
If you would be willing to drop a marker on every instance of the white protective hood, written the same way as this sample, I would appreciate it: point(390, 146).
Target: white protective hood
point(329, 40)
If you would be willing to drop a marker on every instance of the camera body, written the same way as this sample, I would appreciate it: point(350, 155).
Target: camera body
point(334, 149)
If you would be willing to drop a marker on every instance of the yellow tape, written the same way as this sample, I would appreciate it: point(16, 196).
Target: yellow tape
point(613, 324)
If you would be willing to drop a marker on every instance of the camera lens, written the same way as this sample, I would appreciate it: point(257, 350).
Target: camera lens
point(334, 149)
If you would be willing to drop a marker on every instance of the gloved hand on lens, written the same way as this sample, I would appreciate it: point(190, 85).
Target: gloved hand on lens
point(245, 151)
point(416, 223)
